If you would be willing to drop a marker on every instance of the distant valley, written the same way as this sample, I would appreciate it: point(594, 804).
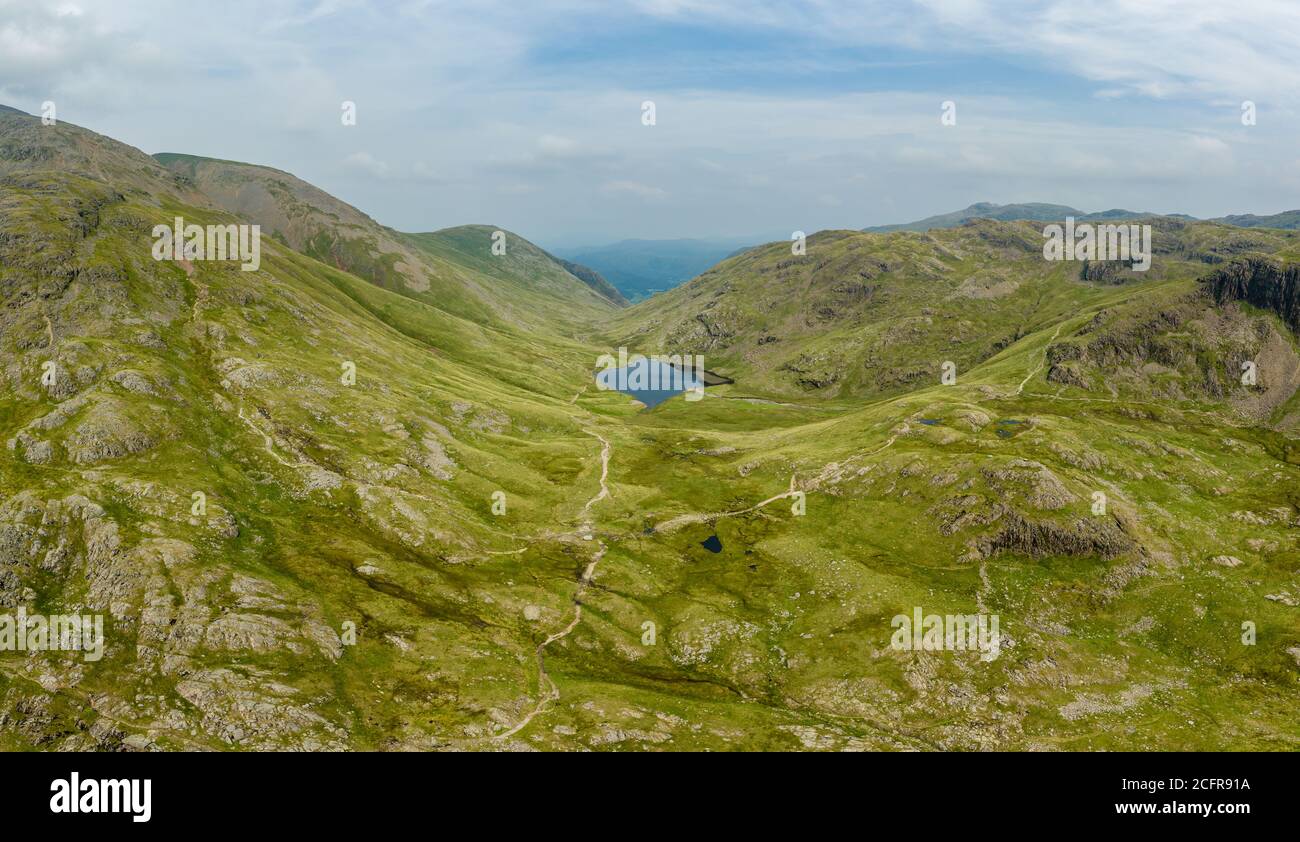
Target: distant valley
point(633, 270)
point(641, 268)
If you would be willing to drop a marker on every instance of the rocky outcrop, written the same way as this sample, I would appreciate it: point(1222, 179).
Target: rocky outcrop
point(814, 370)
point(1107, 271)
point(1041, 488)
point(593, 279)
point(1098, 537)
point(1263, 283)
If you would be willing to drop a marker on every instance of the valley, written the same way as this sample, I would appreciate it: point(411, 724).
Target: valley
point(469, 546)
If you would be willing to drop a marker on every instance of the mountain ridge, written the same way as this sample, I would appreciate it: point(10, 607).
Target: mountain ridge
point(320, 513)
point(324, 227)
point(1037, 211)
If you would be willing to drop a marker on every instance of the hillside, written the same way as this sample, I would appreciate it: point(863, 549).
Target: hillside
point(523, 286)
point(471, 547)
point(869, 315)
point(1287, 219)
point(324, 503)
point(595, 280)
point(1036, 211)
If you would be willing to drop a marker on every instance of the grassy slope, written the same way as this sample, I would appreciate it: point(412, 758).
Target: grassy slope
point(868, 315)
point(454, 271)
point(779, 641)
point(1134, 652)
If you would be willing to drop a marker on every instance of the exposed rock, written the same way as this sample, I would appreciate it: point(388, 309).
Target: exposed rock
point(108, 432)
point(1099, 537)
point(1044, 490)
point(257, 713)
point(433, 458)
point(134, 381)
point(1263, 283)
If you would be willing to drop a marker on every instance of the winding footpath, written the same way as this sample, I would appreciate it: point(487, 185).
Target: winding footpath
point(699, 517)
point(547, 690)
point(1042, 363)
point(270, 444)
point(678, 522)
point(606, 450)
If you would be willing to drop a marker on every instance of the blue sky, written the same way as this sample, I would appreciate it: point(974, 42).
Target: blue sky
point(771, 117)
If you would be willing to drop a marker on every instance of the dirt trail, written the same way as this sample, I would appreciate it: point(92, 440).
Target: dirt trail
point(270, 444)
point(1042, 362)
point(698, 517)
point(200, 294)
point(827, 471)
point(756, 400)
point(605, 450)
point(547, 690)
point(551, 693)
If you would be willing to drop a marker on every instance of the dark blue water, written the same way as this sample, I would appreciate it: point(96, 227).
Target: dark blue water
point(644, 371)
point(1008, 427)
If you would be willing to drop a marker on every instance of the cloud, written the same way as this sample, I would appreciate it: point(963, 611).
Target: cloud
point(529, 114)
point(1160, 49)
point(557, 147)
point(1212, 145)
point(634, 188)
point(367, 163)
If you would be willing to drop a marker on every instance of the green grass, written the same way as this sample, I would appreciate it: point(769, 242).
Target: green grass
point(781, 641)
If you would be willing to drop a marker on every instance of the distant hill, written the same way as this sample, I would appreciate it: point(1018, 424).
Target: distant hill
point(1036, 211)
point(1289, 220)
point(640, 268)
point(595, 280)
point(865, 314)
point(1041, 212)
point(522, 287)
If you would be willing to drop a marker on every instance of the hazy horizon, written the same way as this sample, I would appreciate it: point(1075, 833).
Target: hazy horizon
point(768, 117)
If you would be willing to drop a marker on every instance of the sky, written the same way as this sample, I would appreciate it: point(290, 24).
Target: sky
point(770, 117)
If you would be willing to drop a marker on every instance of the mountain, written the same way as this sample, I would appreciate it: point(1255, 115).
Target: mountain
point(200, 473)
point(1289, 220)
point(471, 547)
point(523, 285)
point(641, 268)
point(987, 210)
point(867, 315)
point(595, 280)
